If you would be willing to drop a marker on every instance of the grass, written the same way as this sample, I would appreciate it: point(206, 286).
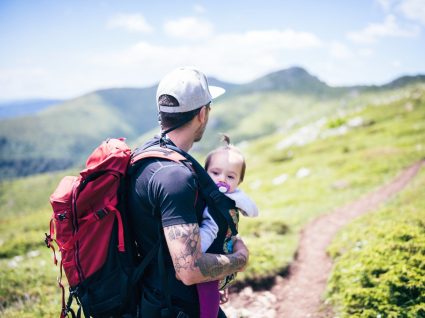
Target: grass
point(339, 170)
point(342, 168)
point(28, 286)
point(380, 260)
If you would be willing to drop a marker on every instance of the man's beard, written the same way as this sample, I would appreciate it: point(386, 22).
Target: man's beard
point(199, 133)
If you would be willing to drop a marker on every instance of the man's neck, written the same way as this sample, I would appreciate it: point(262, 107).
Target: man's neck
point(181, 140)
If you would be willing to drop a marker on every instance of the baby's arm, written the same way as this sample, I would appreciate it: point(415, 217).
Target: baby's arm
point(244, 203)
point(208, 230)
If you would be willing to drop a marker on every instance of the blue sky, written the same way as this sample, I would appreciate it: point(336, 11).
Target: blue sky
point(63, 49)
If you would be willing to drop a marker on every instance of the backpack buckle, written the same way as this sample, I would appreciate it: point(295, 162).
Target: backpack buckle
point(48, 240)
point(100, 214)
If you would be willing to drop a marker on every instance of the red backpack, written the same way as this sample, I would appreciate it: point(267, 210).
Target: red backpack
point(90, 229)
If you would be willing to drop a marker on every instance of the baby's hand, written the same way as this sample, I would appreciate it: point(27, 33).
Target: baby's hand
point(224, 296)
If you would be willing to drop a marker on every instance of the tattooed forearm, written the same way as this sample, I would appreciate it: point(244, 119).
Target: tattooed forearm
point(190, 264)
point(213, 266)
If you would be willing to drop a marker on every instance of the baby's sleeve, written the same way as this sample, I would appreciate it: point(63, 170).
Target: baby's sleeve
point(244, 203)
point(208, 230)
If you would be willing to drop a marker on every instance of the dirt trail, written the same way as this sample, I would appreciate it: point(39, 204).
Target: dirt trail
point(299, 294)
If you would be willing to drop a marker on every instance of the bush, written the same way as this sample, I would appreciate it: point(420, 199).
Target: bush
point(380, 262)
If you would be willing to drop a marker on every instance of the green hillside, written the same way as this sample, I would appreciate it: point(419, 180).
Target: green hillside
point(61, 137)
point(332, 153)
point(293, 80)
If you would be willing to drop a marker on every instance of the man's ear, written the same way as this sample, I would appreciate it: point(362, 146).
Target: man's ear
point(203, 115)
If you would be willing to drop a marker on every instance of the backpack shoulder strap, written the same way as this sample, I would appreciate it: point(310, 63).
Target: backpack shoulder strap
point(157, 152)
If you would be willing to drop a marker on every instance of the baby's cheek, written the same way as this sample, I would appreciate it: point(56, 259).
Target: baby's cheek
point(215, 178)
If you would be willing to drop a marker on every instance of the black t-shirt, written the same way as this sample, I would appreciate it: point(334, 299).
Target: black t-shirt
point(166, 188)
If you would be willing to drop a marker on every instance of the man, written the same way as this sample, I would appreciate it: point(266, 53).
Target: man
point(165, 195)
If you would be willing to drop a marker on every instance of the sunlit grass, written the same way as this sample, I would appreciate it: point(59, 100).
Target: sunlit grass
point(291, 187)
point(380, 260)
point(341, 169)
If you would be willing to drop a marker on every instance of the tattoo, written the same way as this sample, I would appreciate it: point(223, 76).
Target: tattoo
point(213, 265)
point(188, 234)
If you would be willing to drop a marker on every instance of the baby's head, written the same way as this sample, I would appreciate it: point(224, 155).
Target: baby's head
point(226, 165)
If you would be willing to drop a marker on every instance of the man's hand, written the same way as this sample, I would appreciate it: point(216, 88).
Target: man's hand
point(240, 248)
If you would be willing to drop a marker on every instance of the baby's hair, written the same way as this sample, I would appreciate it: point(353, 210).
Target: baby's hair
point(225, 139)
point(227, 147)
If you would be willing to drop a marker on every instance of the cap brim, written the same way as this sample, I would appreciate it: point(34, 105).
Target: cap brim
point(216, 91)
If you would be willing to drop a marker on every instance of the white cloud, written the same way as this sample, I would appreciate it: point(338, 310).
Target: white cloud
point(396, 64)
point(389, 28)
point(236, 57)
point(130, 22)
point(365, 52)
point(410, 9)
point(340, 51)
point(413, 9)
point(30, 80)
point(189, 28)
point(272, 39)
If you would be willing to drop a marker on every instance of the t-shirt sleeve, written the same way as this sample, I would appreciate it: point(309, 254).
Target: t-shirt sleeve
point(174, 190)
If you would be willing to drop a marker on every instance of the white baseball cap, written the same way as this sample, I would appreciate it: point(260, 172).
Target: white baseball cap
point(189, 87)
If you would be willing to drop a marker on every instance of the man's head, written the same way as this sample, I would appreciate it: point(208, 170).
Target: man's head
point(180, 96)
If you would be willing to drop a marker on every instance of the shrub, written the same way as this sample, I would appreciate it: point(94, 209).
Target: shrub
point(380, 262)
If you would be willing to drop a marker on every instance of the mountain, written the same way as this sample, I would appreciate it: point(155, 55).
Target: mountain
point(292, 80)
point(227, 86)
point(62, 136)
point(403, 81)
point(9, 109)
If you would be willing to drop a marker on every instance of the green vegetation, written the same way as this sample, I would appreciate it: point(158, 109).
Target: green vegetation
point(340, 169)
point(380, 260)
point(60, 137)
point(27, 274)
point(292, 183)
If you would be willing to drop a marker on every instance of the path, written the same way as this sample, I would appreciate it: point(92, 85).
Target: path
point(299, 294)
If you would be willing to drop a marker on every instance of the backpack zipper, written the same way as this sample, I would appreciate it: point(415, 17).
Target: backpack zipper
point(75, 225)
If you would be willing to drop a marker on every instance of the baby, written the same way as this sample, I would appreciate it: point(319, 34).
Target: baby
point(226, 166)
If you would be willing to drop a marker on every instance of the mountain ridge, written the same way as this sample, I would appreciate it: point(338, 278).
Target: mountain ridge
point(294, 79)
point(61, 136)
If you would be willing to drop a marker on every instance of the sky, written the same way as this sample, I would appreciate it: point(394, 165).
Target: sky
point(64, 49)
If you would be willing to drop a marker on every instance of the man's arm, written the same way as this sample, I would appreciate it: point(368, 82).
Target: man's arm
point(191, 265)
